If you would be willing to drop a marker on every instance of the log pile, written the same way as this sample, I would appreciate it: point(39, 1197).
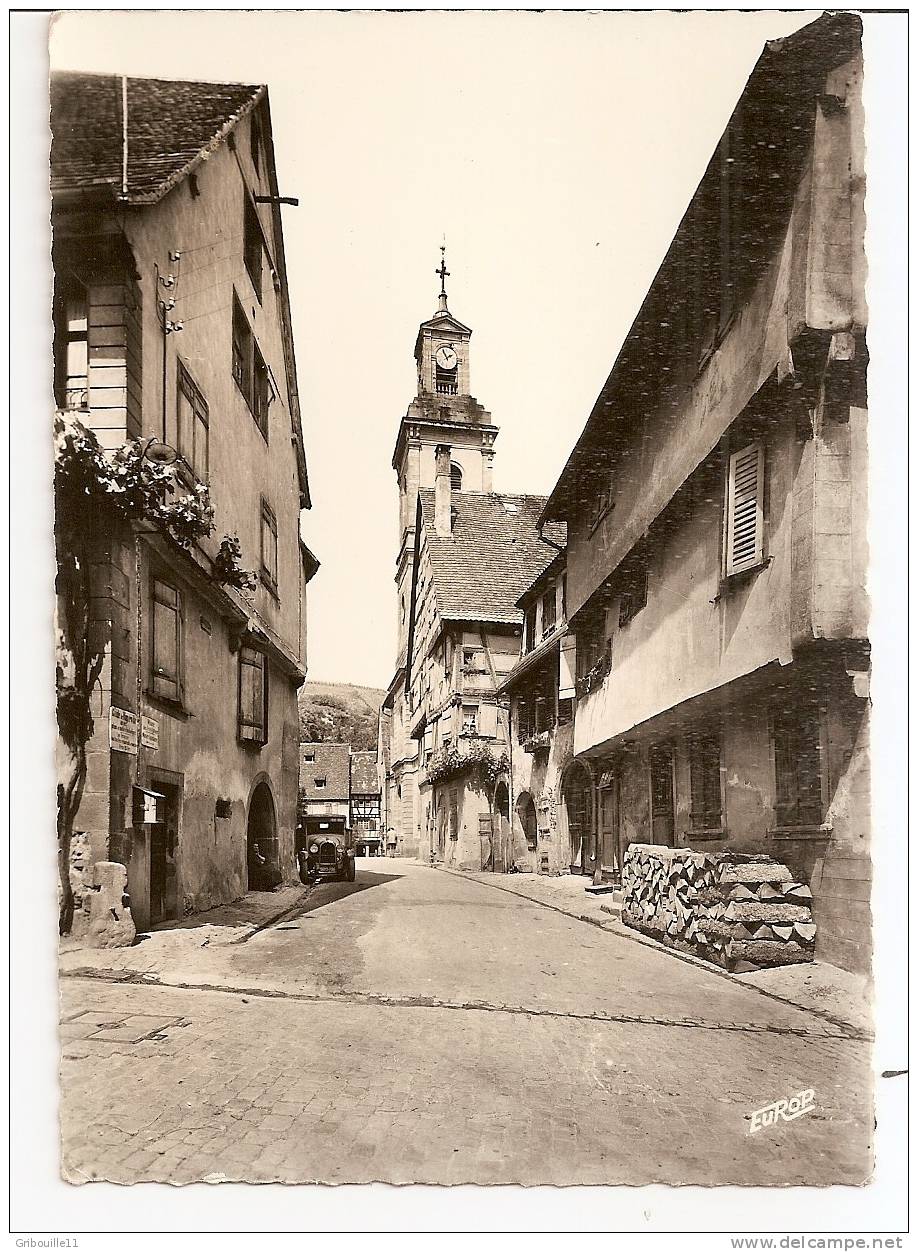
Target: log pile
point(739, 910)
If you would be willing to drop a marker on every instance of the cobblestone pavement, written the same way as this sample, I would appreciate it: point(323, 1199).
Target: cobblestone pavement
point(417, 1027)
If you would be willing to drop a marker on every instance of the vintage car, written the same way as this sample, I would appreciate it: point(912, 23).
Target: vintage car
point(330, 855)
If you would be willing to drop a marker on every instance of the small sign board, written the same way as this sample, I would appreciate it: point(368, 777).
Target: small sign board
point(122, 730)
point(149, 732)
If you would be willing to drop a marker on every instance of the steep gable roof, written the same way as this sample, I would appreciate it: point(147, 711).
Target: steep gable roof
point(333, 763)
point(493, 554)
point(171, 127)
point(364, 779)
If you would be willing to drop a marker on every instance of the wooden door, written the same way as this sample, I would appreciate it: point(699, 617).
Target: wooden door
point(662, 815)
point(608, 831)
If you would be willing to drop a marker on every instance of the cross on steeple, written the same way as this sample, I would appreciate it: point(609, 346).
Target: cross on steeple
point(444, 274)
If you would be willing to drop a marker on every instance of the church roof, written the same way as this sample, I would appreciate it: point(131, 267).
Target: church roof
point(493, 554)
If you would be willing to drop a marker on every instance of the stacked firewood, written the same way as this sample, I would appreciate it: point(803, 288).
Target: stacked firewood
point(742, 911)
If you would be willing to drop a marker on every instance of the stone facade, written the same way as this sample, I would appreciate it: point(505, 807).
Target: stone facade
point(716, 547)
point(183, 254)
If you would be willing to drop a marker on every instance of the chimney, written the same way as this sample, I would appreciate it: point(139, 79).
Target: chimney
point(443, 491)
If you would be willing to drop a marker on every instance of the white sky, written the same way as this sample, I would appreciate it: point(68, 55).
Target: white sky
point(557, 152)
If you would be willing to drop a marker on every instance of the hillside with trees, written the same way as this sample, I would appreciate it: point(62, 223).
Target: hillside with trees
point(340, 713)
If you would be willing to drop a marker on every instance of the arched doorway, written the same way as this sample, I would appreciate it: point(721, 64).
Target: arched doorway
point(261, 841)
point(526, 812)
point(503, 839)
point(577, 794)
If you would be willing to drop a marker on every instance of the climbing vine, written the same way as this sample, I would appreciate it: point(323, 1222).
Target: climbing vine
point(479, 759)
point(94, 492)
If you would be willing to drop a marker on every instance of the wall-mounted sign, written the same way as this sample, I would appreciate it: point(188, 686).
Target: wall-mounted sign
point(122, 730)
point(149, 732)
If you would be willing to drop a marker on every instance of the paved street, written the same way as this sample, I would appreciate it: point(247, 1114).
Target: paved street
point(418, 1027)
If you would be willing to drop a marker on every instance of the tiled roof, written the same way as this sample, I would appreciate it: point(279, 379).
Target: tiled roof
point(170, 124)
point(364, 779)
point(333, 763)
point(493, 554)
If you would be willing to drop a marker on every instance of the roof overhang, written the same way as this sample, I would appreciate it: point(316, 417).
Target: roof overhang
point(531, 661)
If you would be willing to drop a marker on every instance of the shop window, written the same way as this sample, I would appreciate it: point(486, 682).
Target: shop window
point(704, 772)
point(268, 547)
point(253, 696)
point(192, 437)
point(797, 737)
point(71, 350)
point(166, 642)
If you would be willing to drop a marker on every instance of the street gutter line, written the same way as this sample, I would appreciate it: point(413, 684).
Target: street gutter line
point(371, 999)
point(617, 928)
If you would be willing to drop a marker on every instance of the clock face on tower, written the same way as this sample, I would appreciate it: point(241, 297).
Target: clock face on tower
point(446, 357)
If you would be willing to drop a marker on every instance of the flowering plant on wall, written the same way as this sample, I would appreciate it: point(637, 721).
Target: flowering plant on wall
point(479, 757)
point(228, 570)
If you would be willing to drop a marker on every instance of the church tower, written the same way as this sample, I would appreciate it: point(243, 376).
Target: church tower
point(443, 414)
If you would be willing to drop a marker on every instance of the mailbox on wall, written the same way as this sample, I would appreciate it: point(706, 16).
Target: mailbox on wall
point(147, 806)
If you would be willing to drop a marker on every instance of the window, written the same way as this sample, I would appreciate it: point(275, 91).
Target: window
point(268, 547)
point(253, 696)
point(564, 597)
point(71, 351)
point(192, 423)
point(262, 394)
point(309, 757)
point(797, 735)
point(633, 596)
point(447, 657)
point(745, 529)
point(529, 626)
point(255, 141)
point(523, 718)
point(549, 612)
point(589, 645)
point(242, 351)
point(470, 719)
point(252, 246)
point(704, 775)
point(320, 782)
point(251, 374)
point(455, 477)
point(166, 642)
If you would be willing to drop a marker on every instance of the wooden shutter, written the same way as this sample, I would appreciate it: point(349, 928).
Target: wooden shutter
point(745, 490)
point(487, 721)
point(567, 685)
point(253, 696)
point(166, 642)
